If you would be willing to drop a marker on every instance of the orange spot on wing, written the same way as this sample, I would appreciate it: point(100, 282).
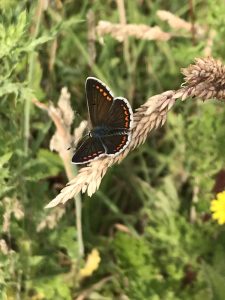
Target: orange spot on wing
point(97, 87)
point(104, 94)
point(101, 90)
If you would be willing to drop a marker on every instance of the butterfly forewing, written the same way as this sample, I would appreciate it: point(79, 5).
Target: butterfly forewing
point(99, 101)
point(88, 150)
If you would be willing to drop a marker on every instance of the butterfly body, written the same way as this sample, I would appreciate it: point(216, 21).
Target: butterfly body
point(104, 131)
point(111, 121)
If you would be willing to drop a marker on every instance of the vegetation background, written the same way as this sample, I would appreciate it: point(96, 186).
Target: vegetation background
point(148, 228)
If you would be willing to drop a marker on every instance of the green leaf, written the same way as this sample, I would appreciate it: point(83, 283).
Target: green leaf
point(12, 36)
point(216, 282)
point(5, 158)
point(31, 46)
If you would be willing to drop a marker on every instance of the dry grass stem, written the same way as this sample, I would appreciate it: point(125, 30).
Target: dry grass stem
point(149, 116)
point(63, 117)
point(12, 207)
point(52, 55)
point(96, 286)
point(4, 249)
point(205, 79)
point(51, 220)
point(120, 31)
point(140, 31)
point(123, 22)
point(91, 37)
point(209, 43)
point(122, 12)
point(177, 23)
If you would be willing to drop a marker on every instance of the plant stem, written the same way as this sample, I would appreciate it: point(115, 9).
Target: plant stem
point(78, 206)
point(123, 21)
point(34, 33)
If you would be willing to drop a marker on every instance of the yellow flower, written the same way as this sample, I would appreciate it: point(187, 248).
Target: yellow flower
point(91, 264)
point(218, 208)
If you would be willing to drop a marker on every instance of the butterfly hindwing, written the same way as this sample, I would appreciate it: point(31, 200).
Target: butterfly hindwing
point(114, 144)
point(88, 150)
point(99, 101)
point(120, 115)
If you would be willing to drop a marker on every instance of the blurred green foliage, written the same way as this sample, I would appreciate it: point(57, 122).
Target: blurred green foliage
point(160, 193)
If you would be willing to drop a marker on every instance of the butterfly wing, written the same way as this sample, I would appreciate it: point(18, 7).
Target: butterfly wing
point(87, 150)
point(114, 144)
point(120, 115)
point(99, 101)
point(105, 111)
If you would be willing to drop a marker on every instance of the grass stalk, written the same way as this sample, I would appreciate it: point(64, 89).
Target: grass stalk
point(78, 205)
point(31, 62)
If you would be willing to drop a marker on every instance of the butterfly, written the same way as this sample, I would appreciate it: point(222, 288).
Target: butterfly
point(111, 122)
